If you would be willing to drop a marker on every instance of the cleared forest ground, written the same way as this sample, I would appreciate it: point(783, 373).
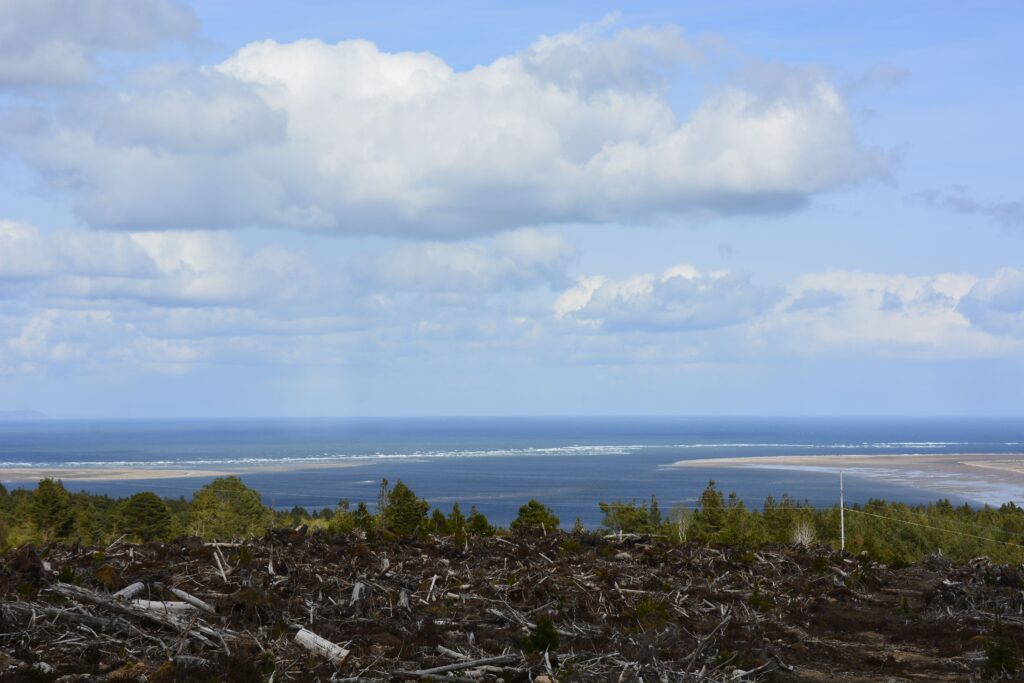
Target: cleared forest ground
point(517, 608)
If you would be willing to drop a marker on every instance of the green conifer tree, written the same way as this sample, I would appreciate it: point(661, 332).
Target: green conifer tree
point(145, 516)
point(51, 509)
point(227, 508)
point(403, 513)
point(535, 515)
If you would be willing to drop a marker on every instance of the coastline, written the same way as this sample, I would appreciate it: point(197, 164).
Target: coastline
point(991, 478)
point(23, 474)
point(32, 474)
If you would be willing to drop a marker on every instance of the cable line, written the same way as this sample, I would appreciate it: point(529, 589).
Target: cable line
point(936, 528)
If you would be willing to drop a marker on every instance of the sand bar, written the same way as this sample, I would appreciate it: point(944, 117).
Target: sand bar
point(993, 478)
point(20, 474)
point(98, 473)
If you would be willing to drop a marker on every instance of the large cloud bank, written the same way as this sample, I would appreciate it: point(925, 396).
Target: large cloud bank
point(56, 42)
point(350, 139)
point(176, 299)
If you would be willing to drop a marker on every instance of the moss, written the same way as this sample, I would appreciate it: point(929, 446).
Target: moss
point(571, 546)
point(759, 601)
point(652, 614)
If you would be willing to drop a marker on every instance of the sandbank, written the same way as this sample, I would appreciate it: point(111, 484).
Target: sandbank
point(98, 473)
point(993, 478)
point(21, 474)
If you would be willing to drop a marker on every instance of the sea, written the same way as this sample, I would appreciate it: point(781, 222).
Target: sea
point(496, 464)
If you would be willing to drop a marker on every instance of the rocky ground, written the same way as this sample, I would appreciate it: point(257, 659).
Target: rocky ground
point(298, 607)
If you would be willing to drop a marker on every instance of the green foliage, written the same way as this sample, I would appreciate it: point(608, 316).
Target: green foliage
point(542, 638)
point(571, 546)
point(535, 515)
point(457, 525)
point(758, 600)
point(477, 524)
point(146, 517)
point(346, 521)
point(1002, 656)
point(227, 508)
point(652, 614)
point(893, 533)
point(403, 513)
point(708, 521)
point(363, 520)
point(51, 509)
point(438, 522)
point(630, 517)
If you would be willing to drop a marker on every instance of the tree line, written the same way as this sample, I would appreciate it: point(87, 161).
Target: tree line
point(228, 509)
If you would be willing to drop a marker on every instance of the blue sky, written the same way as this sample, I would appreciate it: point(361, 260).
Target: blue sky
point(326, 208)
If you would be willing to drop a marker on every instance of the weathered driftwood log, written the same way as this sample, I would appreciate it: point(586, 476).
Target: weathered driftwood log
point(130, 591)
point(116, 624)
point(321, 646)
point(163, 605)
point(190, 599)
point(442, 650)
point(190, 662)
point(164, 618)
point(468, 664)
point(357, 593)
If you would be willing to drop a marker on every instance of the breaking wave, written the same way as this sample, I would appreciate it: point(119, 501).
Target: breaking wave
point(329, 458)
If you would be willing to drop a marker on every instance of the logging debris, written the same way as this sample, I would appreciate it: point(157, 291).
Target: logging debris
point(528, 608)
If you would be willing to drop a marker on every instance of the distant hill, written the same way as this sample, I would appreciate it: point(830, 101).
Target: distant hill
point(21, 415)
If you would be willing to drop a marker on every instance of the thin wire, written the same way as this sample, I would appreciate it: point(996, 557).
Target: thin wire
point(936, 528)
point(835, 507)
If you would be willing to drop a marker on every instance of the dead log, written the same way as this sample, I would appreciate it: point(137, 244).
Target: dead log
point(130, 591)
point(190, 599)
point(162, 605)
point(321, 646)
point(461, 666)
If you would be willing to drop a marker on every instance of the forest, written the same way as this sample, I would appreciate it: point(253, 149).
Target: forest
point(889, 532)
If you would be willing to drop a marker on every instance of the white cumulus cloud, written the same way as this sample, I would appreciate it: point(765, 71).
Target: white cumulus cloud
point(519, 259)
point(996, 304)
point(55, 42)
point(351, 139)
point(679, 299)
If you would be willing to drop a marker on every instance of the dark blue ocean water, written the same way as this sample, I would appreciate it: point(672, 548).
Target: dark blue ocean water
point(497, 463)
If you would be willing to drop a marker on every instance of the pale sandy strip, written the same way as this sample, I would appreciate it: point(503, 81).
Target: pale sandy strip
point(131, 473)
point(1006, 462)
point(93, 473)
point(992, 478)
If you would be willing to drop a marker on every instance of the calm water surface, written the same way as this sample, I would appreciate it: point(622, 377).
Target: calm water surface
point(497, 463)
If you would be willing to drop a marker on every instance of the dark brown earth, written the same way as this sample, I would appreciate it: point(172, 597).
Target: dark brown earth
point(621, 610)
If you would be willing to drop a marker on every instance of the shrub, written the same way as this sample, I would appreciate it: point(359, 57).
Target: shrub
point(403, 512)
point(630, 517)
point(477, 524)
point(227, 508)
point(542, 638)
point(535, 515)
point(51, 509)
point(146, 517)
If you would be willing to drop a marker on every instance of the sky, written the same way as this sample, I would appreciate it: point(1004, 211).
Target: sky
point(221, 209)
